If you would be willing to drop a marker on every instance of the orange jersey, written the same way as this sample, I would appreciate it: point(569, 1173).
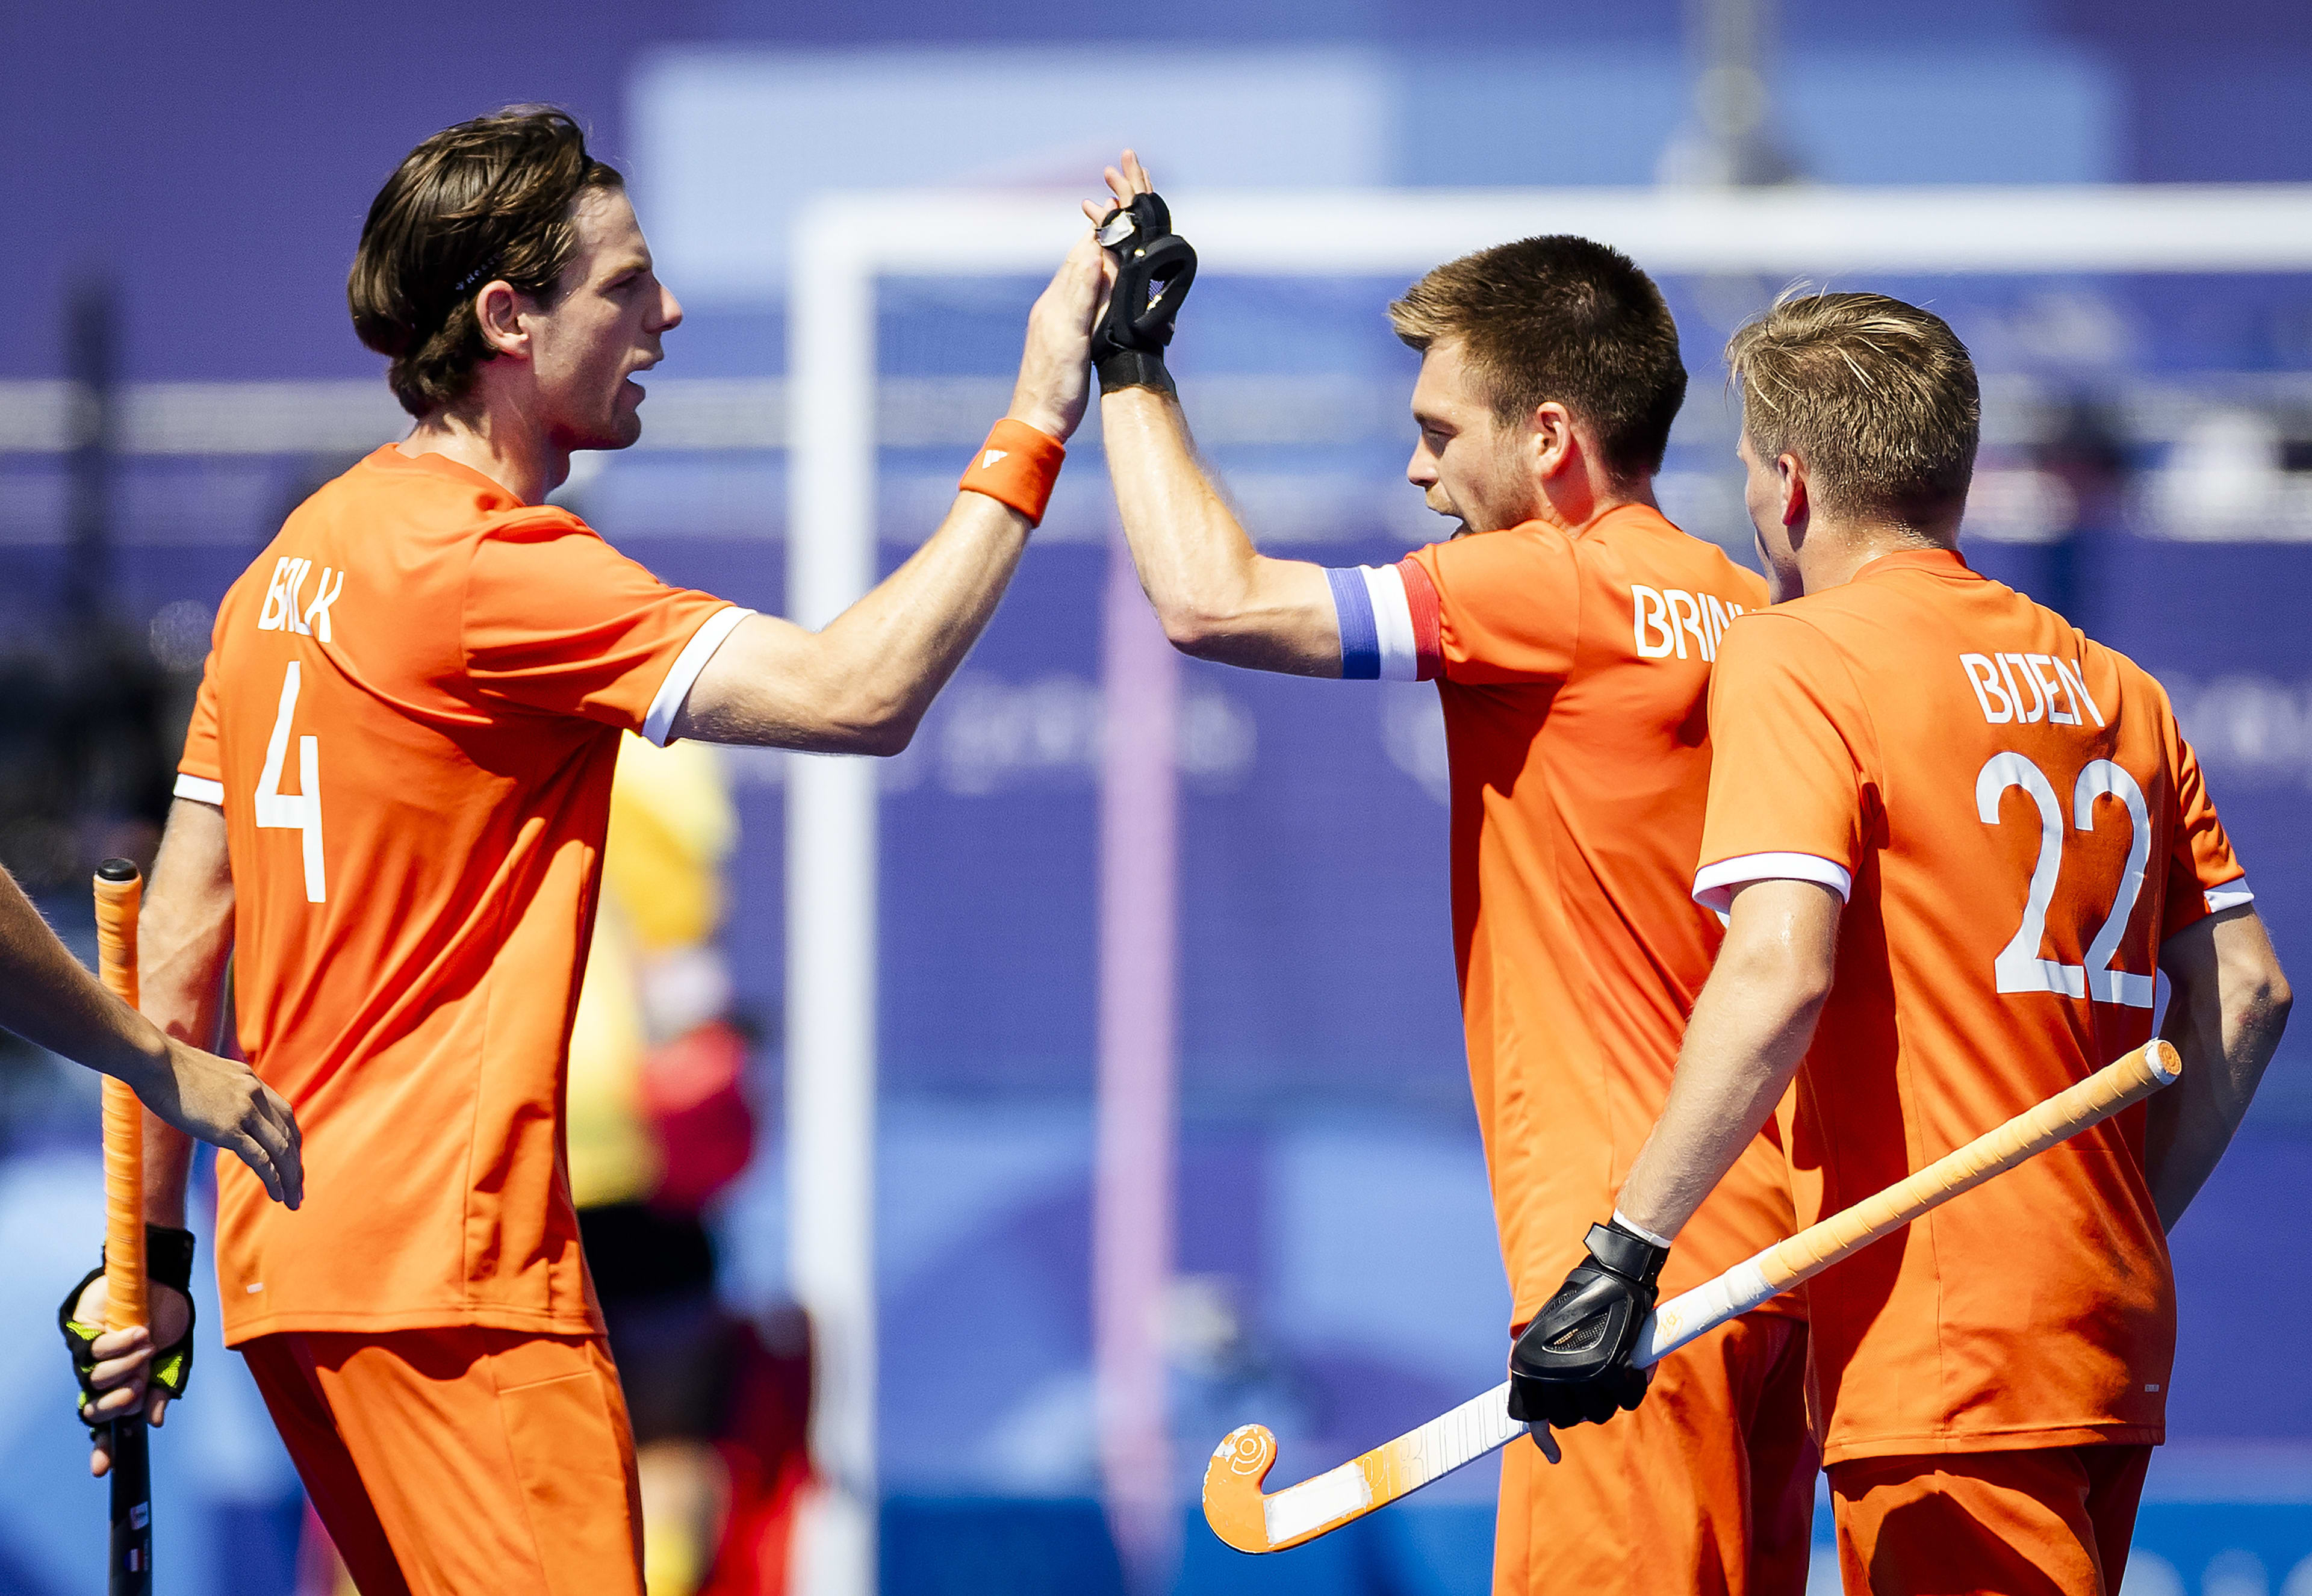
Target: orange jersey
point(410, 717)
point(2017, 824)
point(1574, 673)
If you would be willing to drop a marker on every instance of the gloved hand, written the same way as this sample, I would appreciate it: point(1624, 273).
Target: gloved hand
point(1571, 1364)
point(1153, 268)
point(168, 1263)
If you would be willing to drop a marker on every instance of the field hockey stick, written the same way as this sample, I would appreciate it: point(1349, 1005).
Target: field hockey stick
point(1251, 1521)
point(120, 889)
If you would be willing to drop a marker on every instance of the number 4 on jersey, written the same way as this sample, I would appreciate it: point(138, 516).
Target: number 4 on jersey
point(2018, 967)
point(300, 811)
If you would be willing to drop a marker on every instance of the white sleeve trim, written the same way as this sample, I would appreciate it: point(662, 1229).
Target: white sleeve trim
point(2230, 895)
point(658, 725)
point(200, 789)
point(1714, 884)
point(1400, 659)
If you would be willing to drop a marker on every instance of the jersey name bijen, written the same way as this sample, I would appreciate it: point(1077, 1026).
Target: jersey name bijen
point(2056, 693)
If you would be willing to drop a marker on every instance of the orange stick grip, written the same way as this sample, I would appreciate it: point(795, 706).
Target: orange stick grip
point(117, 903)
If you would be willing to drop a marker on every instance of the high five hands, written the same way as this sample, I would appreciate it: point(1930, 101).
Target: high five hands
point(1150, 269)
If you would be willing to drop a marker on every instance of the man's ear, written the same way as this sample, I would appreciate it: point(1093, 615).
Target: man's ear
point(498, 309)
point(1790, 471)
point(1549, 438)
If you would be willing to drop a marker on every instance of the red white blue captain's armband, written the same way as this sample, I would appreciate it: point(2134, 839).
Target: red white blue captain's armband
point(1389, 622)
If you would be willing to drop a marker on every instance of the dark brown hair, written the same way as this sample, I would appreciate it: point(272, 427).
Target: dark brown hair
point(1878, 397)
point(1559, 318)
point(488, 200)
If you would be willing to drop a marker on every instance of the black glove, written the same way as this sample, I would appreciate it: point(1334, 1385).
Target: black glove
point(1153, 269)
point(1571, 1366)
point(168, 1261)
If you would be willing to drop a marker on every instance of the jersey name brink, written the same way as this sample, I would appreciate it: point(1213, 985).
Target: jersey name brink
point(1662, 619)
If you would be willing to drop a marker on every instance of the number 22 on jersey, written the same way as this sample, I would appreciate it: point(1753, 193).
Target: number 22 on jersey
point(2018, 967)
point(300, 811)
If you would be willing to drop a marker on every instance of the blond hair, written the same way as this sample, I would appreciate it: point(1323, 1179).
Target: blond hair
point(1878, 398)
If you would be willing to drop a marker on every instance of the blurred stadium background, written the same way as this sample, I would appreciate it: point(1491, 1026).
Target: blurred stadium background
point(177, 371)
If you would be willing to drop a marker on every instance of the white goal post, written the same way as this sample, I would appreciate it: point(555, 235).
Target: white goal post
point(845, 242)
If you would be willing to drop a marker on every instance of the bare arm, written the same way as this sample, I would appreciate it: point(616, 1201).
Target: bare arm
point(48, 998)
point(1749, 1032)
point(184, 937)
point(2226, 1007)
point(862, 684)
point(1217, 597)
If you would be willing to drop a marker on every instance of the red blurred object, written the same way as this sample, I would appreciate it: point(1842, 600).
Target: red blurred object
point(766, 1453)
point(694, 1090)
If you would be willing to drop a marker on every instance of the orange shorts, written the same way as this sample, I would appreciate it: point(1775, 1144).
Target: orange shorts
point(2049, 1521)
point(1708, 1487)
point(461, 1461)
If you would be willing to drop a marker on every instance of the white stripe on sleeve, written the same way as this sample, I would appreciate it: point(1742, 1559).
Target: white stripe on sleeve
point(200, 789)
point(658, 725)
point(1714, 884)
point(2230, 895)
point(1400, 660)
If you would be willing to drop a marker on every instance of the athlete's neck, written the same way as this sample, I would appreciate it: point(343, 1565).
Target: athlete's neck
point(1570, 501)
point(505, 448)
point(1831, 553)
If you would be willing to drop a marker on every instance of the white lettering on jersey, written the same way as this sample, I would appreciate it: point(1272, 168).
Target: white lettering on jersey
point(1662, 619)
point(276, 597)
point(316, 621)
point(285, 610)
point(1999, 679)
point(1983, 677)
point(1648, 613)
point(2038, 699)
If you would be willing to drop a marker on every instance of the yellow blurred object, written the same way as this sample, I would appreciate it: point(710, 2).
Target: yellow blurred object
point(671, 826)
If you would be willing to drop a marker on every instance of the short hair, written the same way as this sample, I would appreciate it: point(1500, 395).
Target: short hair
point(485, 200)
point(1559, 318)
point(1878, 397)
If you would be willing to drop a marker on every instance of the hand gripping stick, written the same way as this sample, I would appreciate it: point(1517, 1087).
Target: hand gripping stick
point(1251, 1521)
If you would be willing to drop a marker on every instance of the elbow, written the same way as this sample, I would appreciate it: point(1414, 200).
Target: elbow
point(881, 736)
point(2278, 998)
point(1199, 633)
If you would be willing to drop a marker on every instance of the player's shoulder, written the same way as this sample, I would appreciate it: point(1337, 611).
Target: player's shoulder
point(1637, 542)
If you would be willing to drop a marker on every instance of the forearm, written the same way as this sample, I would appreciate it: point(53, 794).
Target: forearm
point(2227, 1006)
point(1744, 1045)
point(185, 940)
point(1217, 596)
point(48, 997)
point(862, 685)
point(1749, 1034)
point(900, 643)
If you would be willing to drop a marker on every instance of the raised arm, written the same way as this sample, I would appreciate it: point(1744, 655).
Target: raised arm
point(1217, 597)
point(2227, 1006)
point(861, 685)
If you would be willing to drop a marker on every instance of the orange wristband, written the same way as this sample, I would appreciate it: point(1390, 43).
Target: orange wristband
point(1017, 465)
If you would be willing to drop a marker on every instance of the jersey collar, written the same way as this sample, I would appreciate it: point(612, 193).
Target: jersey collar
point(1935, 562)
point(391, 459)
